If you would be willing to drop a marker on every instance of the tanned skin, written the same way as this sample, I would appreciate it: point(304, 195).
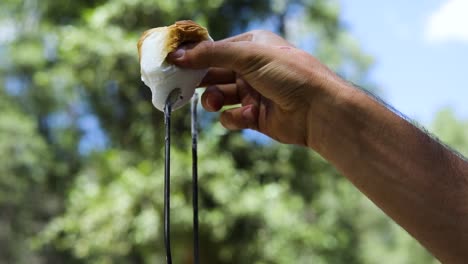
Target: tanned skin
point(289, 95)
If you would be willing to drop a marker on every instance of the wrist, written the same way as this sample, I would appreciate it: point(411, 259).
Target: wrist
point(326, 111)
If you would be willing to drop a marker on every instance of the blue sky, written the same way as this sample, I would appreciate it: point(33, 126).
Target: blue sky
point(421, 52)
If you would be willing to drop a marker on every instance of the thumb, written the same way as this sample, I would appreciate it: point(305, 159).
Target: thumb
point(235, 56)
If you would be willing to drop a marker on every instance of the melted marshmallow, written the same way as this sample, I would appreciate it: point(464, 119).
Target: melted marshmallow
point(162, 77)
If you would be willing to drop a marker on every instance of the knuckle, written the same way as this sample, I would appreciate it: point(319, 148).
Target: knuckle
point(208, 50)
point(250, 61)
point(206, 46)
point(199, 54)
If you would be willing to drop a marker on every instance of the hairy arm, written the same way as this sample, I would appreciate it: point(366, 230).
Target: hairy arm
point(417, 181)
point(290, 96)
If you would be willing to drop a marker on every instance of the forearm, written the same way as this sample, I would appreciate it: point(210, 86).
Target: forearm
point(414, 179)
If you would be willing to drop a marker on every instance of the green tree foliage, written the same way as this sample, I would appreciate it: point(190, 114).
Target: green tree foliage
point(451, 130)
point(81, 175)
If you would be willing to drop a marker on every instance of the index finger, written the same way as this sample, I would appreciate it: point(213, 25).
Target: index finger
point(218, 76)
point(247, 36)
point(235, 56)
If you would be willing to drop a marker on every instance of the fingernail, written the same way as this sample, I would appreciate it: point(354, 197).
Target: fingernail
point(248, 113)
point(179, 53)
point(212, 103)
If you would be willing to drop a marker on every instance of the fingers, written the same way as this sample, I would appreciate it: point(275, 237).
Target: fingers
point(235, 56)
point(215, 97)
point(240, 118)
point(246, 93)
point(218, 76)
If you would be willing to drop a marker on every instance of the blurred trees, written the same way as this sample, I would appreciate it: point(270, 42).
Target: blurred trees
point(81, 175)
point(451, 130)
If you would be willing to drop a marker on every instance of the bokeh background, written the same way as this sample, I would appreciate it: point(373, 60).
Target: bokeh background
point(81, 145)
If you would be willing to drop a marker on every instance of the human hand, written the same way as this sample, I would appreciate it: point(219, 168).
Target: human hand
point(290, 96)
point(275, 83)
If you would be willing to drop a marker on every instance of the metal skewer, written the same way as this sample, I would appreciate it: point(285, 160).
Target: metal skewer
point(196, 257)
point(171, 99)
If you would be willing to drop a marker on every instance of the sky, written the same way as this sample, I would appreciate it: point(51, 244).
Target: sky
point(421, 52)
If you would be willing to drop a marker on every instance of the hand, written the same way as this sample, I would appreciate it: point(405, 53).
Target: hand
point(288, 95)
point(275, 83)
